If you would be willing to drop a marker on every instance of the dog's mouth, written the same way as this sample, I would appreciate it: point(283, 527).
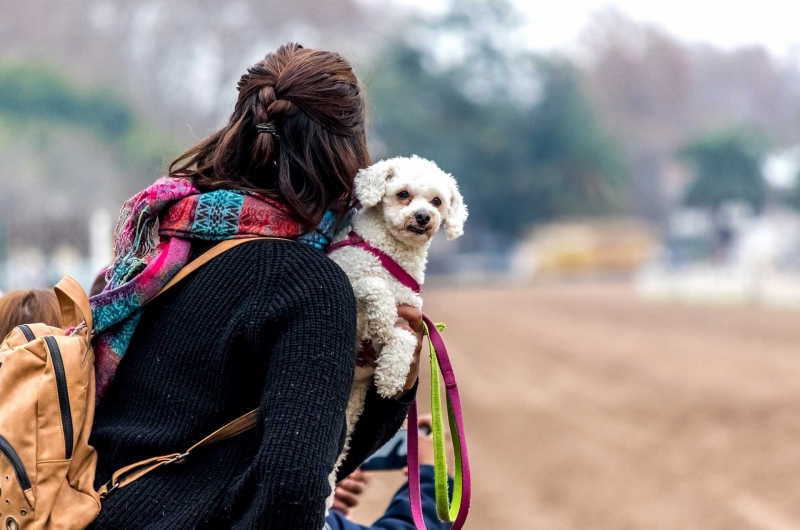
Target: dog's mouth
point(416, 229)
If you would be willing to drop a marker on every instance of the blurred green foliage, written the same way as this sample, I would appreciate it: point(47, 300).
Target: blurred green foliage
point(39, 94)
point(727, 168)
point(30, 90)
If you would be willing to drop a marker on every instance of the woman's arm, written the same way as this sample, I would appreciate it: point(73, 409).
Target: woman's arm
point(382, 417)
point(302, 413)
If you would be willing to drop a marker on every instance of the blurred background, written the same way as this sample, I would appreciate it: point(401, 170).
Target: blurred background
point(623, 307)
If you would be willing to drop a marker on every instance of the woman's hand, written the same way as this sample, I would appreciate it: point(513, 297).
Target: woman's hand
point(410, 319)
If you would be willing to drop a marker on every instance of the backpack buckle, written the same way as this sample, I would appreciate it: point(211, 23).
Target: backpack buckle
point(109, 490)
point(177, 459)
point(77, 328)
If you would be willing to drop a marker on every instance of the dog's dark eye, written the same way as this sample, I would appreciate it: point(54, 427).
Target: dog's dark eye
point(436, 201)
point(402, 195)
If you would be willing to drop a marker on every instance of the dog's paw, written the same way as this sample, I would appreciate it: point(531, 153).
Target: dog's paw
point(394, 363)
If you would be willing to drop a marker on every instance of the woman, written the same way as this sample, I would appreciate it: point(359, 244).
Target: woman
point(268, 324)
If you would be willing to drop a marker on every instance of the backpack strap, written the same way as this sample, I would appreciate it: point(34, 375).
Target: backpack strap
point(73, 302)
point(126, 475)
point(135, 471)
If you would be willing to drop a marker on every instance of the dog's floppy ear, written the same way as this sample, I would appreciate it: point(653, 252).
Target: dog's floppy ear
point(371, 183)
point(456, 214)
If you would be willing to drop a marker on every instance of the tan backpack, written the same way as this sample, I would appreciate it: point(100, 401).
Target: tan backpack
point(47, 399)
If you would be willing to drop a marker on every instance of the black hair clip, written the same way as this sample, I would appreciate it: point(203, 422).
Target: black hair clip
point(268, 128)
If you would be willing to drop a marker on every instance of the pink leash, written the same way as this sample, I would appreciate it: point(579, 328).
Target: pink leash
point(462, 494)
point(455, 412)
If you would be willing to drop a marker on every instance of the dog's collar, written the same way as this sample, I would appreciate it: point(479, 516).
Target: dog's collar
point(394, 268)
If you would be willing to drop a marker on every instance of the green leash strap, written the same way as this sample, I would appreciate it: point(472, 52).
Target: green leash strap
point(446, 509)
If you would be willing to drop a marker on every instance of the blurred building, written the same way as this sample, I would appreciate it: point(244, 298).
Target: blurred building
point(735, 257)
point(585, 247)
point(39, 252)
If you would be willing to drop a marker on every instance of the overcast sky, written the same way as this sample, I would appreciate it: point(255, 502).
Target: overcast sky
point(726, 23)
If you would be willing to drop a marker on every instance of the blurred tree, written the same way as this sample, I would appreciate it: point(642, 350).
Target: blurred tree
point(37, 91)
point(727, 168)
point(522, 156)
point(77, 148)
point(656, 92)
point(640, 79)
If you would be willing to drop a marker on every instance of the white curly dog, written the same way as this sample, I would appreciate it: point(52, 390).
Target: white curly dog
point(404, 201)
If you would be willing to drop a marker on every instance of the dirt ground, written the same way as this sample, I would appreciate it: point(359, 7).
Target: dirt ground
point(588, 408)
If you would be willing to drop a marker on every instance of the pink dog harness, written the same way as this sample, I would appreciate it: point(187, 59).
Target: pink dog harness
point(448, 510)
point(394, 268)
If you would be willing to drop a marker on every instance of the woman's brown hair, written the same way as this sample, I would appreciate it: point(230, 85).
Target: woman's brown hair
point(312, 103)
point(28, 307)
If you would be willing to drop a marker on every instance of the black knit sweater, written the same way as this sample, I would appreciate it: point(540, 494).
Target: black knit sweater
point(269, 324)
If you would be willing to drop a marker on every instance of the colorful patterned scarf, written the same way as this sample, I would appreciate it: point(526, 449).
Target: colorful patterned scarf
point(143, 264)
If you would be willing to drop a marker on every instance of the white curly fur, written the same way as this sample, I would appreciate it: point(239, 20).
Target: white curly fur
point(387, 221)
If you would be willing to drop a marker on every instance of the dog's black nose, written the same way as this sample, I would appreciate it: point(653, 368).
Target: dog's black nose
point(422, 217)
